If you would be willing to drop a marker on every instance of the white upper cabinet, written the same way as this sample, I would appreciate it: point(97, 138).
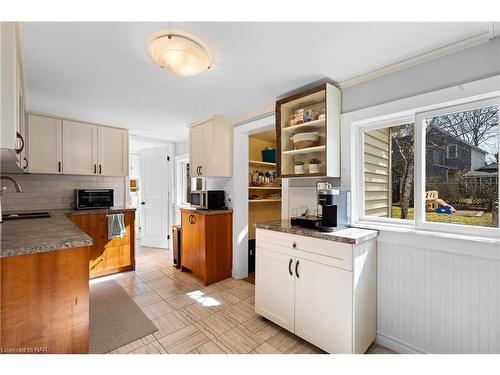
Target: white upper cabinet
point(79, 148)
point(112, 151)
point(211, 148)
point(45, 147)
point(72, 147)
point(12, 111)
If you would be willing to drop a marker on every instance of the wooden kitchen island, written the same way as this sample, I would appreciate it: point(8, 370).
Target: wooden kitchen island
point(45, 266)
point(207, 249)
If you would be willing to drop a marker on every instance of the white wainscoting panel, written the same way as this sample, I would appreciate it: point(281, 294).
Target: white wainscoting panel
point(432, 301)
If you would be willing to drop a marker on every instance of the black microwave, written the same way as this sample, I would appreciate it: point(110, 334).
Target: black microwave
point(86, 199)
point(208, 199)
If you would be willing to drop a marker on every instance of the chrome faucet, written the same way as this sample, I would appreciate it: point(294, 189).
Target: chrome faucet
point(18, 187)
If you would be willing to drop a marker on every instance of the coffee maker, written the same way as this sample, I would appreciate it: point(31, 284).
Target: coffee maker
point(333, 207)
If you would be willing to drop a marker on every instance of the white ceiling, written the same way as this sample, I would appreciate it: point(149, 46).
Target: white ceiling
point(100, 72)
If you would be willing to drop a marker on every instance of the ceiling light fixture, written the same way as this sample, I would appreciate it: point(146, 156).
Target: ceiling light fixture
point(179, 54)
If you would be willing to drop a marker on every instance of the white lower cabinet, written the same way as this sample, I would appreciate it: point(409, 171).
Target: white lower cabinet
point(277, 303)
point(323, 305)
point(321, 290)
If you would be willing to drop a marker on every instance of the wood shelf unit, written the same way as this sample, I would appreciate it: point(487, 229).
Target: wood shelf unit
point(307, 150)
point(306, 126)
point(263, 200)
point(324, 97)
point(265, 187)
point(267, 206)
point(262, 164)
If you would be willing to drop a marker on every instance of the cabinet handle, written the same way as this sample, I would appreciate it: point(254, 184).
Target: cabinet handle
point(294, 245)
point(95, 168)
point(189, 219)
point(194, 219)
point(290, 267)
point(26, 160)
point(297, 269)
point(19, 150)
point(143, 203)
point(59, 166)
point(201, 170)
point(100, 169)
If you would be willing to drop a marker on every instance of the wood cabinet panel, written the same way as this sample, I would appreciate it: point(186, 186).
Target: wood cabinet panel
point(45, 302)
point(207, 245)
point(108, 256)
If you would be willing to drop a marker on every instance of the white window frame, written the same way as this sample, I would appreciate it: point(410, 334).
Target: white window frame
point(361, 129)
point(483, 91)
point(180, 161)
point(419, 183)
point(448, 151)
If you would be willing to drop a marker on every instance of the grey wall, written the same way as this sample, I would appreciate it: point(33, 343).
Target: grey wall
point(469, 65)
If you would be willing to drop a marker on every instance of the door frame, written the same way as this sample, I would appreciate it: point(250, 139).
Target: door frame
point(240, 189)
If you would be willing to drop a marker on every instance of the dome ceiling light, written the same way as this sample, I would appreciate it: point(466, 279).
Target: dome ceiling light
point(179, 54)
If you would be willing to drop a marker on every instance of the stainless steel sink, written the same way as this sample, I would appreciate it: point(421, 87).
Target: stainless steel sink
point(24, 215)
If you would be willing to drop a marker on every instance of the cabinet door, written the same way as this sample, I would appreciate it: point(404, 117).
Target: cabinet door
point(8, 86)
point(193, 243)
point(323, 306)
point(79, 148)
point(112, 151)
point(274, 287)
point(200, 149)
point(44, 145)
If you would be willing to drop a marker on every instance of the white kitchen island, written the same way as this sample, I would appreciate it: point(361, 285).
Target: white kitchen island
point(322, 287)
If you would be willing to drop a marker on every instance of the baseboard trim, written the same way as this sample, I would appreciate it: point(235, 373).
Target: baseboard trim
point(397, 345)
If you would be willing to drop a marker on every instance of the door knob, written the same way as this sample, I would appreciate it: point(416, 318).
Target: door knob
point(143, 203)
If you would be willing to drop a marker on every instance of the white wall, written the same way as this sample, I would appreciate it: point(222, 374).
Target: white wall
point(432, 298)
point(182, 148)
point(434, 294)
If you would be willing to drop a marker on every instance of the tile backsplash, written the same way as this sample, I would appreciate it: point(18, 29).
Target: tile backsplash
point(221, 183)
point(42, 192)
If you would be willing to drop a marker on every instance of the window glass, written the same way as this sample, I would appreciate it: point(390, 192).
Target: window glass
point(461, 167)
point(186, 184)
point(389, 172)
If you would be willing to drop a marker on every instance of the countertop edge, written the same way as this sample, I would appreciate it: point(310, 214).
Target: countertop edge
point(60, 217)
point(311, 233)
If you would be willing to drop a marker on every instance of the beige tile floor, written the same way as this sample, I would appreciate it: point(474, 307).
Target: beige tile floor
point(198, 319)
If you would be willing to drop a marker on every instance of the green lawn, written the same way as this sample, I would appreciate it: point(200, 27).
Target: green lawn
point(483, 221)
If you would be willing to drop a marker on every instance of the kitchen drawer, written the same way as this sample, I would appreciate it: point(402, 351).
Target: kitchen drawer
point(331, 253)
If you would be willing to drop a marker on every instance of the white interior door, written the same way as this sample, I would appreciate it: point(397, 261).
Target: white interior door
point(155, 196)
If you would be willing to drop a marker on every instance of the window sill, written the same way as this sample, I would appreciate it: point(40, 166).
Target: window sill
point(487, 247)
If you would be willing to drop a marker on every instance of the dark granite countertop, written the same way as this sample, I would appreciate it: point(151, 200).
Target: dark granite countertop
point(112, 210)
point(343, 234)
point(208, 212)
point(30, 236)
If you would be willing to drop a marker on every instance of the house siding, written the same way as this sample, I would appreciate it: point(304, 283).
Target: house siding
point(377, 171)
